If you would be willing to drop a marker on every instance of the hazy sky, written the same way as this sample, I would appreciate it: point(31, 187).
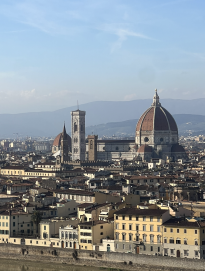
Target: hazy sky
point(55, 52)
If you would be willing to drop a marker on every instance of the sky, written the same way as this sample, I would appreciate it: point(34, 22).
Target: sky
point(54, 53)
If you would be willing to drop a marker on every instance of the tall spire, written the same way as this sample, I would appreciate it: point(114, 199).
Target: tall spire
point(156, 99)
point(64, 131)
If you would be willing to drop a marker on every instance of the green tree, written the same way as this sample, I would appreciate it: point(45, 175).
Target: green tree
point(36, 218)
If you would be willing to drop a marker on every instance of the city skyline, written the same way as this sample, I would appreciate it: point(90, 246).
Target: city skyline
point(54, 53)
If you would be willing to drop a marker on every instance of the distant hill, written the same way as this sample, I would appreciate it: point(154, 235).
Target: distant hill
point(115, 114)
point(186, 123)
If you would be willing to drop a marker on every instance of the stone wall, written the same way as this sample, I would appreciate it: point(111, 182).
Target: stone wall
point(99, 259)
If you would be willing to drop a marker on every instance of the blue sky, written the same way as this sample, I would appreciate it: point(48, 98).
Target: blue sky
point(55, 52)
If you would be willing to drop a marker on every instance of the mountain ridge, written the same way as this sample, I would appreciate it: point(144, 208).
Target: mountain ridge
point(50, 123)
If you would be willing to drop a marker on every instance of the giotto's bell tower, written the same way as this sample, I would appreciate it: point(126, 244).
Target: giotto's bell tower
point(78, 135)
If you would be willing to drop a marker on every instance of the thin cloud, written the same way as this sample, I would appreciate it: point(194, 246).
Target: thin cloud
point(28, 93)
point(130, 97)
point(122, 32)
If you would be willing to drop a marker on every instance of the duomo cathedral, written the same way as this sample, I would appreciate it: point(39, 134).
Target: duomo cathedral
point(156, 136)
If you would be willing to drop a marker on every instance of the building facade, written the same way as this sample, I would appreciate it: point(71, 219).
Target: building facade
point(139, 230)
point(184, 238)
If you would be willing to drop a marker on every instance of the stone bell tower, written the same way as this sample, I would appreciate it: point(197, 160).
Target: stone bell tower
point(92, 147)
point(78, 135)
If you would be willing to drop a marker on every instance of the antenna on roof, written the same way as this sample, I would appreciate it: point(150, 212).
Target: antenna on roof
point(77, 105)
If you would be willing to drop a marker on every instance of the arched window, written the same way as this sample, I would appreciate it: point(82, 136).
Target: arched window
point(91, 144)
point(144, 237)
point(75, 127)
point(66, 235)
point(62, 234)
point(151, 238)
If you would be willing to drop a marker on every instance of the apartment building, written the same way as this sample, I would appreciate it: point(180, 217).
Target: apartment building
point(15, 223)
point(80, 196)
point(69, 237)
point(139, 230)
point(184, 238)
point(93, 232)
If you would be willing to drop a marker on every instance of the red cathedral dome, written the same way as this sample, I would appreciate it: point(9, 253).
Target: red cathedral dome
point(156, 118)
point(57, 140)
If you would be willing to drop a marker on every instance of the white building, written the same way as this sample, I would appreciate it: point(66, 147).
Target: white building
point(69, 237)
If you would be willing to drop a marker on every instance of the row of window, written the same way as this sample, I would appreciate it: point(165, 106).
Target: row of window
point(4, 232)
point(144, 237)
point(4, 217)
point(4, 171)
point(137, 227)
point(130, 247)
point(144, 218)
point(85, 227)
point(85, 233)
point(179, 241)
point(186, 252)
point(85, 241)
point(70, 235)
point(74, 197)
point(178, 230)
point(3, 224)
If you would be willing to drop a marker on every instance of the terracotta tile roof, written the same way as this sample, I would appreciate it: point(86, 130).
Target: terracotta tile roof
point(145, 212)
point(156, 118)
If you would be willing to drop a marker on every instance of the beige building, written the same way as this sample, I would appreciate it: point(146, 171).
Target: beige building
point(93, 232)
point(15, 223)
point(184, 238)
point(29, 173)
point(80, 196)
point(49, 228)
point(139, 230)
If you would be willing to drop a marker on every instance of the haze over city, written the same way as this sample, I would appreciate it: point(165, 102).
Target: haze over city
point(55, 52)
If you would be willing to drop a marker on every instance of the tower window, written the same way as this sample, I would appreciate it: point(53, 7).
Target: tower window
point(91, 144)
point(75, 127)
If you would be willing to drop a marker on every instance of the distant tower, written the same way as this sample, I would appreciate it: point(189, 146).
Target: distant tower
point(64, 146)
point(78, 134)
point(92, 147)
